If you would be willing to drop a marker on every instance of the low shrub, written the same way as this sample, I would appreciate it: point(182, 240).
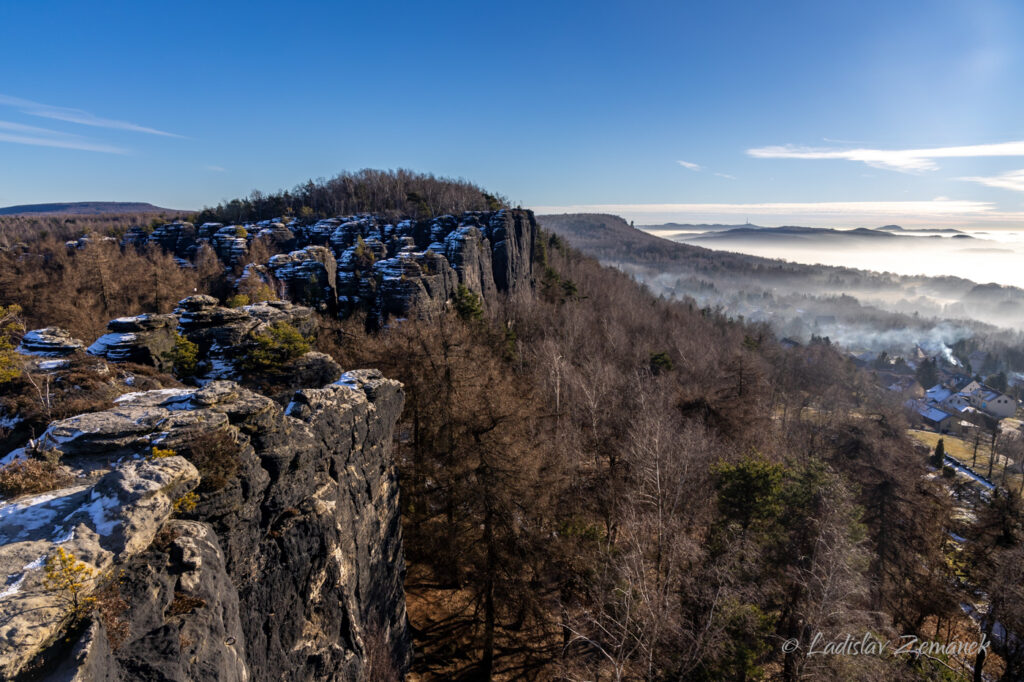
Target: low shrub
point(70, 579)
point(217, 456)
point(184, 357)
point(32, 476)
point(274, 349)
point(186, 503)
point(468, 304)
point(237, 301)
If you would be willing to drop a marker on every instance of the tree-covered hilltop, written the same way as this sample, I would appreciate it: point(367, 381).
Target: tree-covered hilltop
point(393, 193)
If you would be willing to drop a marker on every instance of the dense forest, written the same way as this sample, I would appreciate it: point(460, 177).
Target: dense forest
point(598, 483)
point(16, 231)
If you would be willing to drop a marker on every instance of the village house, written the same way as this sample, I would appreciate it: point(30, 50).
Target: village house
point(988, 399)
point(948, 410)
point(906, 386)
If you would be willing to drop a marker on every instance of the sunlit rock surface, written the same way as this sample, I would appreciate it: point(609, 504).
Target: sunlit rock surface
point(280, 572)
point(50, 342)
point(101, 525)
point(143, 339)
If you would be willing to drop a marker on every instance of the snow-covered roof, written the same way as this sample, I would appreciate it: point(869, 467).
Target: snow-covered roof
point(938, 393)
point(932, 413)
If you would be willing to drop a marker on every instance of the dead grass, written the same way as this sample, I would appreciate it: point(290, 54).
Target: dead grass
point(32, 476)
point(955, 446)
point(447, 631)
point(112, 609)
point(217, 456)
point(183, 604)
point(962, 449)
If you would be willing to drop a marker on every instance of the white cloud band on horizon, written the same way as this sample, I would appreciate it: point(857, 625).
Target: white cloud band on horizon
point(827, 213)
point(76, 116)
point(905, 160)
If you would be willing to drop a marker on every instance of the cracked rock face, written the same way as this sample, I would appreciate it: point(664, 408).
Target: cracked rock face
point(50, 342)
point(102, 525)
point(366, 262)
point(310, 276)
point(513, 236)
point(184, 616)
point(143, 339)
point(414, 268)
point(282, 572)
point(409, 268)
point(223, 334)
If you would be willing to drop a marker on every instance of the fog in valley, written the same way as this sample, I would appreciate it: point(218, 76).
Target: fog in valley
point(944, 293)
point(905, 292)
point(982, 256)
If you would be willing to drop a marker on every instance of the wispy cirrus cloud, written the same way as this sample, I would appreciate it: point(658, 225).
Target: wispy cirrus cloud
point(78, 116)
point(17, 133)
point(905, 160)
point(216, 169)
point(697, 167)
point(1012, 180)
point(22, 128)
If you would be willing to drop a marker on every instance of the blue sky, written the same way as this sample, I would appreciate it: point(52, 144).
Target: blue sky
point(812, 112)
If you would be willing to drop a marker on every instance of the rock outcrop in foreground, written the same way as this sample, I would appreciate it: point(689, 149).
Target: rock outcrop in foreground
point(101, 525)
point(289, 565)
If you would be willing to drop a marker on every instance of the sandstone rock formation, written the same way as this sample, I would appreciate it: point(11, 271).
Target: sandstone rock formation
point(309, 275)
point(144, 339)
point(367, 263)
point(100, 525)
point(50, 342)
point(285, 569)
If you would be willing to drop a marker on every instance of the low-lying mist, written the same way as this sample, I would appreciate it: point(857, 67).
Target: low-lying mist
point(983, 257)
point(944, 293)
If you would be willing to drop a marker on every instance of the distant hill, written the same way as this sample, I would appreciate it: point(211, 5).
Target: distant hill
point(687, 268)
point(856, 307)
point(702, 227)
point(667, 228)
point(86, 208)
point(937, 230)
point(612, 239)
point(790, 233)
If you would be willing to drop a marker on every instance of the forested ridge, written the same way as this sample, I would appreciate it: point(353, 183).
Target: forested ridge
point(598, 483)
